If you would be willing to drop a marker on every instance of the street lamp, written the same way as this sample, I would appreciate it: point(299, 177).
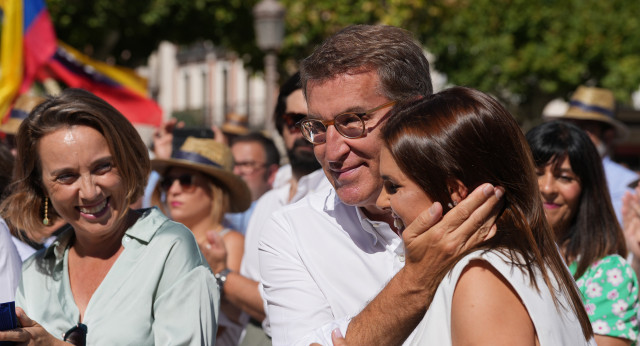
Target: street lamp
point(269, 26)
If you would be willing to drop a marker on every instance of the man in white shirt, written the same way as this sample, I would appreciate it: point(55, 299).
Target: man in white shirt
point(306, 177)
point(332, 260)
point(10, 265)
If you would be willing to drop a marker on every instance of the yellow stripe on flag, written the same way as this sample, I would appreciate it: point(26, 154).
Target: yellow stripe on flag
point(128, 78)
point(11, 65)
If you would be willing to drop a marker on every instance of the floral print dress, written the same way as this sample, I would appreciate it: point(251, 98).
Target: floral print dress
point(609, 290)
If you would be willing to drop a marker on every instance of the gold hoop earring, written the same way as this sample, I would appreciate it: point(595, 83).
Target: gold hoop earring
point(45, 221)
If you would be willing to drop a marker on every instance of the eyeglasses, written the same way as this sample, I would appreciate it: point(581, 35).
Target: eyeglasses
point(77, 335)
point(292, 119)
point(349, 125)
point(186, 181)
point(247, 167)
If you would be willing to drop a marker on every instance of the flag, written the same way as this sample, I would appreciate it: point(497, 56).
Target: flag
point(121, 87)
point(28, 42)
point(39, 40)
point(29, 51)
point(10, 53)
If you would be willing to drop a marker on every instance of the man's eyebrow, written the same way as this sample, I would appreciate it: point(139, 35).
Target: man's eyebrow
point(353, 109)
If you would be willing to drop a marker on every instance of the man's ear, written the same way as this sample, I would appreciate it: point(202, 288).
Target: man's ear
point(458, 191)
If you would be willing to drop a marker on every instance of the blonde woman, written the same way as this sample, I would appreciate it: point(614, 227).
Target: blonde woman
point(196, 189)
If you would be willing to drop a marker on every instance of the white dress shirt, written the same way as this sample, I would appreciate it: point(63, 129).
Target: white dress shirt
point(283, 176)
point(10, 265)
point(321, 262)
point(266, 206)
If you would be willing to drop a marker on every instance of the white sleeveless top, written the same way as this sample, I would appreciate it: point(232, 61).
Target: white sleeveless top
point(553, 326)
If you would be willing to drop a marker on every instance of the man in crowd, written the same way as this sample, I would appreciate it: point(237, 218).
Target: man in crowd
point(243, 288)
point(332, 259)
point(256, 161)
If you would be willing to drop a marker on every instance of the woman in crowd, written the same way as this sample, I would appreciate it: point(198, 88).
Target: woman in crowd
point(197, 188)
point(577, 205)
point(514, 289)
point(116, 276)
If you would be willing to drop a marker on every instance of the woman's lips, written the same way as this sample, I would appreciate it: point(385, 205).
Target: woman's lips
point(95, 211)
point(549, 205)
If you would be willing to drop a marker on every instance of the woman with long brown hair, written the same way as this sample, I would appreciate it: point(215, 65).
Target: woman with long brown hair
point(513, 289)
point(573, 190)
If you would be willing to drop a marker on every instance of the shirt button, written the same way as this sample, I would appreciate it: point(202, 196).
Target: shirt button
point(401, 258)
point(127, 238)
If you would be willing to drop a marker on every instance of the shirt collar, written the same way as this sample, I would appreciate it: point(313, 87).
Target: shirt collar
point(373, 228)
point(143, 229)
point(58, 247)
point(147, 224)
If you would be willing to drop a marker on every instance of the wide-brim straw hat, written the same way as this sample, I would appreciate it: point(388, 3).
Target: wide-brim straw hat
point(213, 159)
point(595, 104)
point(236, 124)
point(21, 109)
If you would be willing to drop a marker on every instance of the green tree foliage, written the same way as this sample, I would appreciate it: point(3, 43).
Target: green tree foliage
point(530, 51)
point(130, 30)
point(525, 52)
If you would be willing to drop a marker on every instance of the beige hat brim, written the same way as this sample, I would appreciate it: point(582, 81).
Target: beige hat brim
point(239, 193)
point(234, 129)
point(576, 113)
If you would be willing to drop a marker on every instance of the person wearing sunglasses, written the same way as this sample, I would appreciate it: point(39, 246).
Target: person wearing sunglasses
point(334, 259)
point(305, 177)
point(197, 188)
point(116, 276)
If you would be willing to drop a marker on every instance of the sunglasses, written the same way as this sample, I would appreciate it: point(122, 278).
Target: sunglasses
point(186, 181)
point(292, 120)
point(77, 335)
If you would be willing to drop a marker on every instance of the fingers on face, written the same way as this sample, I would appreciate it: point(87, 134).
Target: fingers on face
point(425, 220)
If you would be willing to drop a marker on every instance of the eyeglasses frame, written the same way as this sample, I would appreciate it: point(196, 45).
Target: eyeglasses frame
point(326, 123)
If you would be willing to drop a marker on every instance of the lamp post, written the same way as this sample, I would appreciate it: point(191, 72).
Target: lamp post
point(269, 26)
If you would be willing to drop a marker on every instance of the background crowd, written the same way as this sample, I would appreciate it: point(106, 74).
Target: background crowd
point(394, 215)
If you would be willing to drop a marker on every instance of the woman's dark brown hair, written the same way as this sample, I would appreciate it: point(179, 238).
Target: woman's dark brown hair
point(594, 231)
point(463, 134)
point(73, 107)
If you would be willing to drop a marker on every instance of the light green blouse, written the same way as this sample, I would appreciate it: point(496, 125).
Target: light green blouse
point(160, 290)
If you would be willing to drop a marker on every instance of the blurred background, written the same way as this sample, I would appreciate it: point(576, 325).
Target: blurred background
point(201, 60)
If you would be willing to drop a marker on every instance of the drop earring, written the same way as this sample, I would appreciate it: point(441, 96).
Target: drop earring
point(451, 205)
point(45, 221)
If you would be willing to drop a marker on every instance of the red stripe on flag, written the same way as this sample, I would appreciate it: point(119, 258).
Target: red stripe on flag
point(139, 110)
point(39, 44)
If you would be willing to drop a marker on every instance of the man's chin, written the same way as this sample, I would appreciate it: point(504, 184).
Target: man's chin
point(353, 195)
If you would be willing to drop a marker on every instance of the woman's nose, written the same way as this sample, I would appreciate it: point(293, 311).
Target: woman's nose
point(88, 188)
point(547, 184)
point(383, 200)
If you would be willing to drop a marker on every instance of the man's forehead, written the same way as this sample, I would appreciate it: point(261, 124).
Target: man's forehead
point(344, 92)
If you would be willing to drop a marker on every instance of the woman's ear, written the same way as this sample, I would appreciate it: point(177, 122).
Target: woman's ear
point(458, 191)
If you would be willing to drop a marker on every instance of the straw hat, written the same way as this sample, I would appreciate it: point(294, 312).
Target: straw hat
point(236, 124)
point(213, 159)
point(595, 104)
point(21, 109)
